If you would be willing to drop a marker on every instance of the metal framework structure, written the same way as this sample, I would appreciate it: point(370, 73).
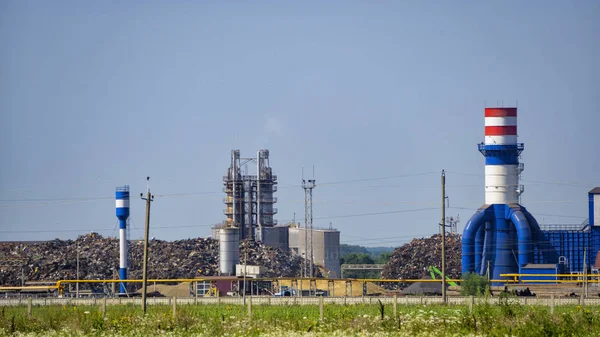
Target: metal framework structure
point(308, 186)
point(452, 223)
point(249, 198)
point(361, 267)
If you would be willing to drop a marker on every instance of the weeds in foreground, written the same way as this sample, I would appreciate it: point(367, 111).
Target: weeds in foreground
point(505, 318)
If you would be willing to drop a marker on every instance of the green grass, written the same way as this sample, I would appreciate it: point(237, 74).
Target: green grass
point(505, 319)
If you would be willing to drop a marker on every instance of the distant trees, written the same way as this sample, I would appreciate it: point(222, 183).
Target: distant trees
point(384, 258)
point(357, 258)
point(351, 254)
point(347, 249)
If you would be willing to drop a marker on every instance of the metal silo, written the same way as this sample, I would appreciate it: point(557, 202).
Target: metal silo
point(229, 250)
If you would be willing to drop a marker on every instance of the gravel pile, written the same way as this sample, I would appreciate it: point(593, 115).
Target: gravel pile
point(412, 260)
point(99, 259)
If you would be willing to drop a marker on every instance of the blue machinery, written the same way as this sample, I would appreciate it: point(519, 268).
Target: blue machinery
point(502, 235)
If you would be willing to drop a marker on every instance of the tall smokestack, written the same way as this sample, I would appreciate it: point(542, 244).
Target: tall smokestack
point(122, 206)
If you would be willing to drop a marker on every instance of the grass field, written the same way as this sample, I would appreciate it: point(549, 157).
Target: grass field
point(505, 319)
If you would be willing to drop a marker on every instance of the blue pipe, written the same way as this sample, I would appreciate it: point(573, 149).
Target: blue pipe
point(479, 247)
point(468, 240)
point(524, 237)
point(591, 214)
point(122, 276)
point(487, 248)
point(491, 247)
point(505, 262)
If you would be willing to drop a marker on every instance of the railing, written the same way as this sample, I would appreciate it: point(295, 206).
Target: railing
point(565, 227)
point(567, 278)
point(484, 148)
point(264, 300)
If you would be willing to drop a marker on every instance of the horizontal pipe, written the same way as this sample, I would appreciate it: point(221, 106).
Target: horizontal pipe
point(29, 288)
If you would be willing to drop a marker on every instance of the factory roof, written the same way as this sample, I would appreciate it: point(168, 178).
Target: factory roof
point(595, 190)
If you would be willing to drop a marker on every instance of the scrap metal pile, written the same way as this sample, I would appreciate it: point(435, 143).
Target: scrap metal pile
point(412, 260)
point(276, 263)
point(99, 259)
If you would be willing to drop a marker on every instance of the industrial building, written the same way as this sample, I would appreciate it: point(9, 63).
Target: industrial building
point(502, 237)
point(249, 211)
point(249, 198)
point(326, 247)
point(577, 246)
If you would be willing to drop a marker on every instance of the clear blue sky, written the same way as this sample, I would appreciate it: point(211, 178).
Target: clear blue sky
point(97, 94)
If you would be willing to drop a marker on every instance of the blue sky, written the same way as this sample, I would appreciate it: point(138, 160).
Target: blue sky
point(94, 95)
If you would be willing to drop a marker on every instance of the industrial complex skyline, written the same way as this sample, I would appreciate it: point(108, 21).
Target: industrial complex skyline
point(379, 97)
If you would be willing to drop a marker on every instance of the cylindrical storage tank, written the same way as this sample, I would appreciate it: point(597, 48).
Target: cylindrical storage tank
point(229, 250)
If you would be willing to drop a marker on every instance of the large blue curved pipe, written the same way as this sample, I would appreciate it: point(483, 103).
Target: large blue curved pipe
point(488, 253)
point(505, 244)
point(479, 247)
point(500, 234)
point(468, 240)
point(524, 237)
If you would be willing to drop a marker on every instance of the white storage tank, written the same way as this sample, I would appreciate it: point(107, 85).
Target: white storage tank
point(229, 250)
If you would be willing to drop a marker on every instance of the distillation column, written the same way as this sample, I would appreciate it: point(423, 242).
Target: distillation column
point(266, 185)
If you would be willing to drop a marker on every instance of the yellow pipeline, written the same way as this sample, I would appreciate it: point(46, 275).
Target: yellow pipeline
point(591, 278)
point(29, 288)
point(59, 283)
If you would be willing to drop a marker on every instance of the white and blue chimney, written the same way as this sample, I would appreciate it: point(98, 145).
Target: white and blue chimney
point(122, 205)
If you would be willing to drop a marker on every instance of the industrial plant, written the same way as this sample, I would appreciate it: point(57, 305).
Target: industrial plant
point(250, 211)
point(502, 237)
point(501, 241)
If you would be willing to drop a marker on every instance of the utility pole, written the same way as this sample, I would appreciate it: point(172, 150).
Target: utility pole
point(245, 262)
point(443, 236)
point(77, 284)
point(149, 198)
point(585, 288)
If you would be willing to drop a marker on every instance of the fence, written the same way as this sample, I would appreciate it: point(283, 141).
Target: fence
point(260, 300)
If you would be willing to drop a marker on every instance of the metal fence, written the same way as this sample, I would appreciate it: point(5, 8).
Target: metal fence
point(260, 300)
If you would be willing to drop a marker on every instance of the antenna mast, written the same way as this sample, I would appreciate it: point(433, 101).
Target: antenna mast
point(308, 186)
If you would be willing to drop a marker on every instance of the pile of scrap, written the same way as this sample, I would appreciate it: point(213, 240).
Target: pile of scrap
point(277, 263)
point(412, 260)
point(99, 259)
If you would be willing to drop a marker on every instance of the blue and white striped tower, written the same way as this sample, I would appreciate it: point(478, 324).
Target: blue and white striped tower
point(122, 205)
point(502, 234)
